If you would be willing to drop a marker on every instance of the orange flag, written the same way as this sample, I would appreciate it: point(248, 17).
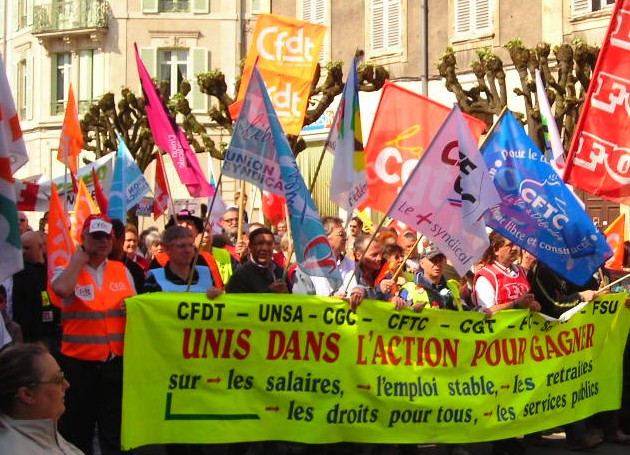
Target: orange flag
point(71, 140)
point(83, 207)
point(615, 236)
point(59, 244)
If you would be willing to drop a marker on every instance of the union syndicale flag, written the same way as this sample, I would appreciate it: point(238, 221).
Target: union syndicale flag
point(260, 153)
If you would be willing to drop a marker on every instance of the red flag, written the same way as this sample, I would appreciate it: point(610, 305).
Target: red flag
point(71, 140)
point(615, 237)
point(273, 207)
point(404, 124)
point(59, 244)
point(101, 199)
point(599, 153)
point(161, 197)
point(75, 183)
point(26, 195)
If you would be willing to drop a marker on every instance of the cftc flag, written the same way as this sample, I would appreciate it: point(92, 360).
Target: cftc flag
point(537, 211)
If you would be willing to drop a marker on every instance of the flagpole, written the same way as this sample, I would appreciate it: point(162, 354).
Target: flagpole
point(613, 283)
point(289, 235)
point(319, 166)
point(206, 222)
point(239, 234)
point(494, 125)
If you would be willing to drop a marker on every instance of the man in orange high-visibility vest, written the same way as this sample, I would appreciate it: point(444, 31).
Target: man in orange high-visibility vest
point(93, 289)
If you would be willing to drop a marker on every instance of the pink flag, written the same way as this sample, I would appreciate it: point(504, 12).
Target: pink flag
point(169, 137)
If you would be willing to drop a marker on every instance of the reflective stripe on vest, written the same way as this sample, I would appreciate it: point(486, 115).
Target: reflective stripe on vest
point(94, 323)
point(203, 283)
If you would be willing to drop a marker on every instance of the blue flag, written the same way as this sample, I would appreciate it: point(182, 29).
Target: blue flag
point(537, 211)
point(128, 184)
point(260, 153)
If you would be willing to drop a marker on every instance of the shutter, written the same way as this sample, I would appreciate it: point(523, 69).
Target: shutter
point(29, 13)
point(86, 75)
point(482, 15)
point(378, 26)
point(28, 99)
point(462, 16)
point(199, 65)
point(150, 6)
point(394, 33)
point(149, 57)
point(201, 6)
point(580, 7)
point(98, 75)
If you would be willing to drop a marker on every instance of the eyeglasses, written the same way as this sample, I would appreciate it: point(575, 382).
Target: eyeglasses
point(59, 379)
point(341, 234)
point(231, 220)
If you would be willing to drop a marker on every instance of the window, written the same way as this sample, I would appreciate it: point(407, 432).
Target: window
point(385, 27)
point(85, 90)
point(317, 12)
point(260, 6)
point(173, 68)
point(588, 6)
point(22, 84)
point(174, 6)
point(472, 18)
point(22, 14)
point(61, 79)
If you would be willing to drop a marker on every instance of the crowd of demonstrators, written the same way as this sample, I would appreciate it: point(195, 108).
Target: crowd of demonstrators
point(86, 335)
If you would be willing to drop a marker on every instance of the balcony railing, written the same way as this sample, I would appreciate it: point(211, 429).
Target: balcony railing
point(70, 15)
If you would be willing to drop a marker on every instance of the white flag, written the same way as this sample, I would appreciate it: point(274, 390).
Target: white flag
point(447, 194)
point(554, 151)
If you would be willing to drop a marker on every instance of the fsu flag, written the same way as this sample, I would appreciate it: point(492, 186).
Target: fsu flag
point(600, 150)
point(286, 50)
point(348, 187)
point(615, 237)
point(71, 140)
point(404, 124)
point(449, 209)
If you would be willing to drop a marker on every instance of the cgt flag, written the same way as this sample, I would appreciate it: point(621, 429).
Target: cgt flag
point(598, 156)
point(404, 124)
point(348, 186)
point(169, 137)
point(260, 153)
point(537, 211)
point(447, 194)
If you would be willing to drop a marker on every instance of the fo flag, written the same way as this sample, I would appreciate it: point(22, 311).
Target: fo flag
point(404, 125)
point(600, 149)
point(537, 211)
point(260, 153)
point(447, 194)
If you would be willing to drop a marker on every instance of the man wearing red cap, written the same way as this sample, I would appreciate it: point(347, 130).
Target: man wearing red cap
point(93, 290)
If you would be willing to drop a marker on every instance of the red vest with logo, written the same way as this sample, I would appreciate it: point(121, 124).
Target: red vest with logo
point(507, 287)
point(94, 321)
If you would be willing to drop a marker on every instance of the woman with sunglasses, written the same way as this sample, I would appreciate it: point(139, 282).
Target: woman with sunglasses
point(32, 391)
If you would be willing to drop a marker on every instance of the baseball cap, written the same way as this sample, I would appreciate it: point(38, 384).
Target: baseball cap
point(431, 251)
point(97, 223)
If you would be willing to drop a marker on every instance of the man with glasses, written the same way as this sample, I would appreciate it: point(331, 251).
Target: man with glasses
point(229, 225)
point(92, 289)
point(355, 228)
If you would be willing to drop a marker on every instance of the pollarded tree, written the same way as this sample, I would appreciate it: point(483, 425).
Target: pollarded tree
point(565, 89)
point(128, 116)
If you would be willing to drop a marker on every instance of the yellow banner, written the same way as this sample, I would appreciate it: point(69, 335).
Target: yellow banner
point(270, 367)
point(286, 50)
